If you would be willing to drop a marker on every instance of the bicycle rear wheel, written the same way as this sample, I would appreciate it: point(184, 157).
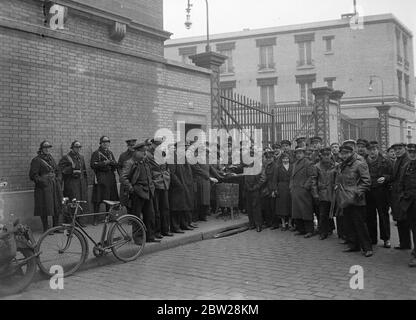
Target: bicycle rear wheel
point(127, 237)
point(62, 246)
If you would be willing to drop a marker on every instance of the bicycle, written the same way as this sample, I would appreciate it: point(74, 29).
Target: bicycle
point(67, 245)
point(18, 255)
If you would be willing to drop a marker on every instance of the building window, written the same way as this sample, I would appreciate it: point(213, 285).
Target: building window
point(328, 43)
point(266, 53)
point(400, 80)
point(226, 49)
point(406, 86)
point(330, 82)
point(267, 90)
point(185, 53)
point(266, 58)
point(267, 95)
point(305, 88)
point(227, 66)
point(398, 46)
point(305, 54)
point(304, 42)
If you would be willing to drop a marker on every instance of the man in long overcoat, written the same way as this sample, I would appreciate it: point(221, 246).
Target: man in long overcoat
point(407, 188)
point(352, 182)
point(204, 175)
point(398, 214)
point(124, 157)
point(104, 165)
point(181, 194)
point(267, 190)
point(325, 173)
point(377, 197)
point(283, 207)
point(48, 193)
point(252, 184)
point(161, 180)
point(75, 176)
point(301, 185)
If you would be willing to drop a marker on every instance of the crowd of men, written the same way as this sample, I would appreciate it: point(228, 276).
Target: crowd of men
point(304, 189)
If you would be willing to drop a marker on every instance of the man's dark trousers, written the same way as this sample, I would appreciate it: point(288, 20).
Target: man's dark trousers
point(161, 208)
point(324, 223)
point(377, 202)
point(356, 228)
point(143, 209)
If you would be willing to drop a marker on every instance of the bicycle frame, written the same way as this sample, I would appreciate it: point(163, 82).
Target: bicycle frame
point(98, 245)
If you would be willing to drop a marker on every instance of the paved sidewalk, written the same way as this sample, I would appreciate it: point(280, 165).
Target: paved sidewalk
point(205, 230)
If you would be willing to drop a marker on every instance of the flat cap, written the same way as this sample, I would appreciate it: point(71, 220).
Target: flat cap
point(131, 141)
point(362, 142)
point(399, 145)
point(325, 150)
point(411, 147)
point(350, 141)
point(346, 148)
point(298, 149)
point(316, 138)
point(287, 142)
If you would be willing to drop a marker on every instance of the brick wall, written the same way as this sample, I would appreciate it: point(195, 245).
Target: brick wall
point(73, 84)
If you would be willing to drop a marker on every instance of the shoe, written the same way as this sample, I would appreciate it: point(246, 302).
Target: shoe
point(344, 242)
point(323, 237)
point(193, 226)
point(274, 228)
point(402, 248)
point(266, 226)
point(82, 225)
point(284, 228)
point(292, 229)
point(251, 227)
point(153, 240)
point(158, 236)
point(368, 254)
point(300, 233)
point(95, 222)
point(351, 250)
point(412, 262)
point(330, 233)
point(308, 235)
point(258, 229)
point(187, 228)
point(203, 219)
point(178, 231)
point(387, 244)
point(168, 234)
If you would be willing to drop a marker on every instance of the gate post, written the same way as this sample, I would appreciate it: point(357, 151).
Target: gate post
point(321, 113)
point(213, 61)
point(383, 115)
point(337, 96)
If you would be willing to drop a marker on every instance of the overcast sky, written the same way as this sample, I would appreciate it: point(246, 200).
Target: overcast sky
point(235, 15)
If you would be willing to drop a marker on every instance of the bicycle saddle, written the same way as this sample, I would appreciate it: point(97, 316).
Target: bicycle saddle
point(112, 203)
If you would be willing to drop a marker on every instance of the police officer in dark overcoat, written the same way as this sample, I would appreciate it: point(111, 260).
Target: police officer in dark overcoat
point(104, 165)
point(407, 189)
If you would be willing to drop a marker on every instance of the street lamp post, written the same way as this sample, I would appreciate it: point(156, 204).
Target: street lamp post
point(382, 86)
point(188, 22)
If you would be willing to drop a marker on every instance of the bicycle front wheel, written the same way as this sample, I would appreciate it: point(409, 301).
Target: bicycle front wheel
point(127, 238)
point(64, 247)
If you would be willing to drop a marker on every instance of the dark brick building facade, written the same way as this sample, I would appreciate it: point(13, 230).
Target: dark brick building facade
point(80, 83)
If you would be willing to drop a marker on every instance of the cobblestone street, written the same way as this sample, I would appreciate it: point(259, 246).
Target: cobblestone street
point(269, 265)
